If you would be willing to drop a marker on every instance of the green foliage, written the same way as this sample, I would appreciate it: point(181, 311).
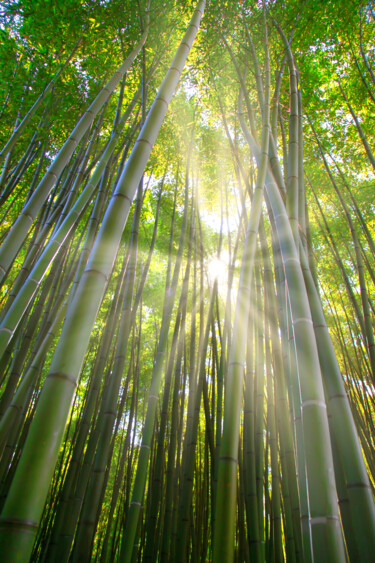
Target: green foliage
point(333, 46)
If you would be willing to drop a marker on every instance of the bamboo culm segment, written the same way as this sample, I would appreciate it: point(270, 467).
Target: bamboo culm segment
point(25, 508)
point(15, 313)
point(227, 480)
point(18, 232)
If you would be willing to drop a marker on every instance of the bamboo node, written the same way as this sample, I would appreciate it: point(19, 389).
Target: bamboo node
point(175, 68)
point(124, 196)
point(95, 271)
point(144, 141)
point(358, 484)
point(313, 402)
point(28, 216)
point(291, 258)
point(302, 320)
point(163, 99)
point(228, 458)
point(322, 519)
point(338, 396)
point(241, 364)
point(17, 523)
point(68, 378)
point(276, 217)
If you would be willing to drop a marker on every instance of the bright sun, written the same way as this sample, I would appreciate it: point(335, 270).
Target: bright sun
point(217, 268)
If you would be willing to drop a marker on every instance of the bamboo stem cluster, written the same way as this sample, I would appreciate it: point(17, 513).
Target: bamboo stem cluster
point(223, 437)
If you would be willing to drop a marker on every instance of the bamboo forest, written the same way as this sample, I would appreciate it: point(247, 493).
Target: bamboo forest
point(187, 281)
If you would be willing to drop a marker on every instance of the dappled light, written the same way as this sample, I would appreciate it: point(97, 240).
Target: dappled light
point(187, 245)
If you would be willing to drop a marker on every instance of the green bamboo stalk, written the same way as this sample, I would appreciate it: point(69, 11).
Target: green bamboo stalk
point(287, 456)
point(226, 493)
point(10, 416)
point(19, 170)
point(86, 526)
point(243, 546)
point(132, 522)
point(65, 512)
point(156, 488)
point(271, 423)
point(362, 75)
point(26, 120)
point(361, 134)
point(253, 524)
point(24, 296)
point(119, 479)
point(324, 519)
point(332, 245)
point(14, 239)
point(131, 527)
point(359, 492)
point(360, 217)
point(191, 439)
point(295, 412)
point(367, 324)
point(259, 396)
point(293, 194)
point(171, 470)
